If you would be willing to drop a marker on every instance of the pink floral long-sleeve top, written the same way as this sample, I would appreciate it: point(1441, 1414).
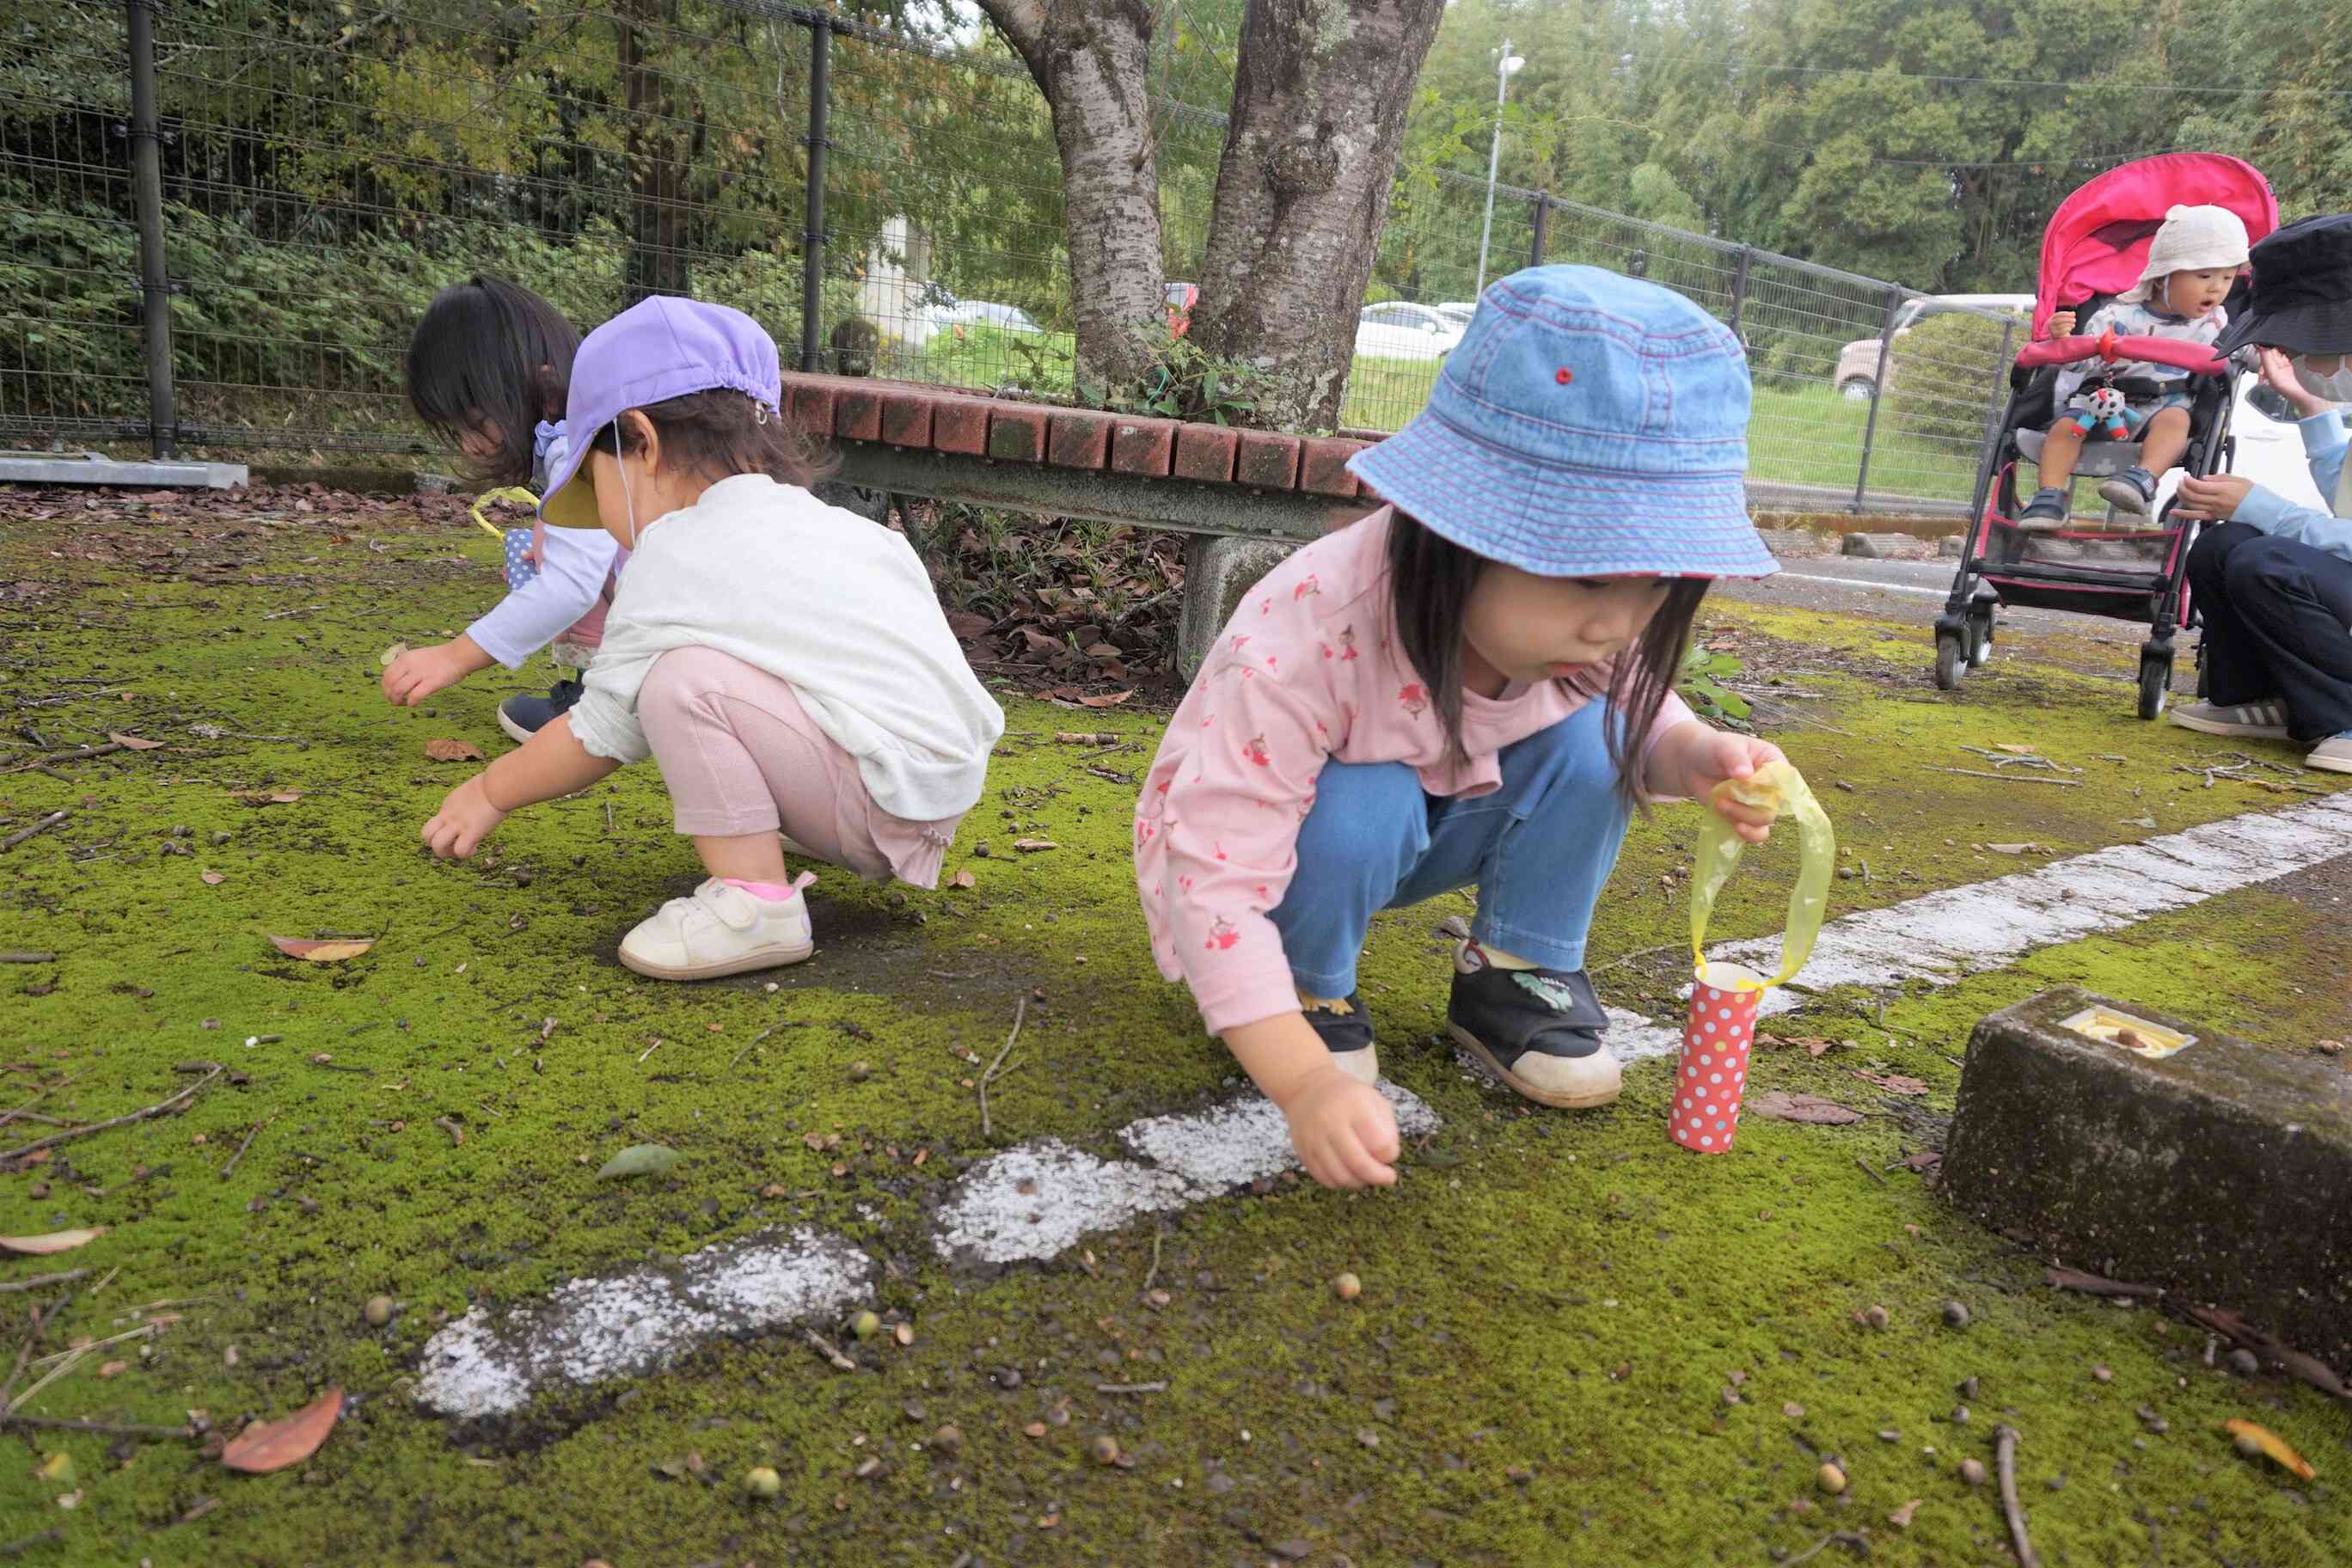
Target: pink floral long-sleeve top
point(1309, 671)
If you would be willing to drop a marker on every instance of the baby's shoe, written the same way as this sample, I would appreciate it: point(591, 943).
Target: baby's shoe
point(2045, 513)
point(1536, 1030)
point(1345, 1031)
point(2133, 491)
point(718, 930)
point(523, 716)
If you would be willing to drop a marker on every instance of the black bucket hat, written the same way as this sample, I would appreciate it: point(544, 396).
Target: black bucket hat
point(2301, 297)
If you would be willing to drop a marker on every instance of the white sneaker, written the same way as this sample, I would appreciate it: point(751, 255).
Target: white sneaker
point(2334, 754)
point(720, 930)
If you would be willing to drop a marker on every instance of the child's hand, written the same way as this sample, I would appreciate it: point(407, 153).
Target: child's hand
point(1707, 757)
point(465, 819)
point(2214, 498)
point(420, 672)
point(1344, 1131)
point(2061, 324)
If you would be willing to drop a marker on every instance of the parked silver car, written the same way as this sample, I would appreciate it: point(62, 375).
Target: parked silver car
point(1400, 330)
point(1857, 362)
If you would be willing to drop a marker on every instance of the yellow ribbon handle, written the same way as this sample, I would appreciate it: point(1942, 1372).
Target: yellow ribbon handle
point(1784, 790)
point(515, 493)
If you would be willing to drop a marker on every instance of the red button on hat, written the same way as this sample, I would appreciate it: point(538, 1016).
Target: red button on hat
point(1563, 375)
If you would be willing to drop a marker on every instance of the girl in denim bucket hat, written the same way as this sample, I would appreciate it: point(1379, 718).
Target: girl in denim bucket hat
point(852, 723)
point(1473, 685)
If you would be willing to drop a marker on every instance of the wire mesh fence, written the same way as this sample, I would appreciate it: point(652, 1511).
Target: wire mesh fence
point(881, 202)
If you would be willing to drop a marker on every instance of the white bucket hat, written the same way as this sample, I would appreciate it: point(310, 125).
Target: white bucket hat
point(2192, 239)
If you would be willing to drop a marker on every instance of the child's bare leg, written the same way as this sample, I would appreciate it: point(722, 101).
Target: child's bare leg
point(2060, 452)
point(746, 857)
point(2164, 440)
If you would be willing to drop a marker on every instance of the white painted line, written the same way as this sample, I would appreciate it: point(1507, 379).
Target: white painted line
point(1032, 1203)
point(591, 1330)
point(1949, 935)
point(1861, 583)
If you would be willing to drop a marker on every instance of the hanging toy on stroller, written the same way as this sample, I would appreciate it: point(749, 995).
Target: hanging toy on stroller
point(2099, 412)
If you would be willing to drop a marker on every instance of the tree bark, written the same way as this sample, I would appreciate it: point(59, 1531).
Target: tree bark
point(1090, 60)
point(659, 158)
point(1320, 99)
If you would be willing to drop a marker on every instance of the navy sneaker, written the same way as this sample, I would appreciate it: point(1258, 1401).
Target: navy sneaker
point(1539, 1030)
point(524, 717)
point(2045, 513)
point(2133, 491)
point(1346, 1030)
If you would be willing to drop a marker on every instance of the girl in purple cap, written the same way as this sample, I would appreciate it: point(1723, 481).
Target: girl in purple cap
point(1473, 685)
point(488, 368)
point(856, 729)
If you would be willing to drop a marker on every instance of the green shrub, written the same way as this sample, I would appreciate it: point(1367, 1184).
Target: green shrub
point(1944, 375)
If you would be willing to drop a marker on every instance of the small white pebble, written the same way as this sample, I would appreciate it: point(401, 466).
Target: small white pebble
point(251, 1041)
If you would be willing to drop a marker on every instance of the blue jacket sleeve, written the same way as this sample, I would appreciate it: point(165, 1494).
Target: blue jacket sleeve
point(2324, 443)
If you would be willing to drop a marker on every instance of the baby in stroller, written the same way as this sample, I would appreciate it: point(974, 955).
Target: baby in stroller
point(2192, 264)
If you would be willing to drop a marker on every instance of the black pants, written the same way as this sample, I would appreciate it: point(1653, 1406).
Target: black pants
point(2278, 623)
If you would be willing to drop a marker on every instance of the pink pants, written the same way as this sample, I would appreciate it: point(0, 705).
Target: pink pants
point(741, 755)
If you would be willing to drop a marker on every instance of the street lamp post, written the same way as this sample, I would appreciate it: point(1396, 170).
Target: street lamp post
point(1505, 69)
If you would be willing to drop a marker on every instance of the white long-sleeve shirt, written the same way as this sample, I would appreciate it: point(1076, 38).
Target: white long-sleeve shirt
point(575, 564)
point(838, 606)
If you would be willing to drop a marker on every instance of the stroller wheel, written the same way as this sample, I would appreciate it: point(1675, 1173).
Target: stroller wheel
point(1979, 644)
point(1951, 660)
point(2154, 684)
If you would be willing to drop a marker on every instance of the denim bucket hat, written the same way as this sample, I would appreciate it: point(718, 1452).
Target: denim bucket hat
point(1588, 425)
point(659, 348)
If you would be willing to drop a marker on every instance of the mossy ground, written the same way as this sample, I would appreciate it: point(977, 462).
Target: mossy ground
point(1555, 1309)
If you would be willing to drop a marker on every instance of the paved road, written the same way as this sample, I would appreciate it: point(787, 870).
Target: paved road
point(1911, 591)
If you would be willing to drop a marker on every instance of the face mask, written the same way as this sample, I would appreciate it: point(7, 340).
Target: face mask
point(2335, 388)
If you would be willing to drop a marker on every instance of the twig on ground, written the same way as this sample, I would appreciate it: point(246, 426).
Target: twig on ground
point(24, 1111)
point(826, 1349)
point(39, 1280)
point(158, 1109)
point(229, 1169)
point(2092, 1285)
point(1131, 1388)
point(456, 1134)
point(755, 1041)
point(1154, 1272)
point(79, 754)
point(41, 1322)
point(2005, 1461)
point(111, 1428)
point(27, 958)
point(650, 1050)
point(41, 827)
point(608, 819)
point(2011, 778)
point(1866, 1170)
point(1019, 1013)
point(139, 1173)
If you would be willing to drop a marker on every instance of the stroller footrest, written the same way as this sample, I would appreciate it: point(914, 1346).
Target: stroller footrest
point(2100, 459)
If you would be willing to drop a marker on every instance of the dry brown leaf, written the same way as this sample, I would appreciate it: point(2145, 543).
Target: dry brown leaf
point(1901, 1517)
point(55, 1241)
point(265, 796)
point(2014, 751)
point(2277, 1447)
point(325, 951)
point(213, 879)
point(1814, 1044)
point(268, 1446)
point(1783, 1105)
point(134, 742)
point(963, 879)
point(114, 1369)
point(453, 750)
point(967, 623)
point(1107, 700)
point(1032, 846)
point(1894, 1083)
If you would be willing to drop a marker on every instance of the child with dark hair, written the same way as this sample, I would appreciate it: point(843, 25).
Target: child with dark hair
point(1473, 685)
point(851, 722)
point(489, 368)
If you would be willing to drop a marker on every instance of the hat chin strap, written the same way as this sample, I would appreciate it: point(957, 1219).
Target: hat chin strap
point(628, 504)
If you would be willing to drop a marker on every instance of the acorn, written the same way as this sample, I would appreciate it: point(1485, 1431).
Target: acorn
point(1956, 1315)
point(1973, 1472)
point(761, 1481)
point(1876, 1317)
point(1832, 1479)
point(379, 1310)
point(1105, 1448)
point(1346, 1286)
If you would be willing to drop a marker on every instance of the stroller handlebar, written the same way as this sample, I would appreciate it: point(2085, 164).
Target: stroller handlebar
point(2195, 358)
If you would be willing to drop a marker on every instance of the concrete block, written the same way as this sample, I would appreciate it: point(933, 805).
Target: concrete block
point(906, 419)
point(1323, 465)
point(1788, 542)
point(1880, 546)
point(1948, 547)
point(2218, 1171)
point(811, 404)
point(1143, 447)
point(858, 414)
point(1016, 432)
point(960, 425)
point(1218, 572)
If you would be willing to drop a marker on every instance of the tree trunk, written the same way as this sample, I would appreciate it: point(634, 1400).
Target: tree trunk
point(1318, 115)
point(1090, 60)
point(659, 156)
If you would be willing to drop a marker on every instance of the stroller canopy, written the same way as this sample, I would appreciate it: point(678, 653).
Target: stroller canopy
point(2099, 238)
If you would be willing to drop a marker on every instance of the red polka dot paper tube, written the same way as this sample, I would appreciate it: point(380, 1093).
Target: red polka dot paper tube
point(1713, 1071)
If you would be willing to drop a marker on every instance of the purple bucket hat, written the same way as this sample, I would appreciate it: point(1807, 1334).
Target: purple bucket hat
point(1588, 425)
point(659, 348)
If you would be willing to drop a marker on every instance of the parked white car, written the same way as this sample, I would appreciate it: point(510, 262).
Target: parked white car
point(1857, 362)
point(1399, 330)
point(1457, 312)
point(933, 319)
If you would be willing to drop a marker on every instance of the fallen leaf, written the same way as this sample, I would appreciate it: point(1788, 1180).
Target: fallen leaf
point(390, 654)
point(266, 797)
point(963, 879)
point(1924, 1160)
point(57, 1468)
point(55, 1241)
point(1814, 1044)
point(213, 879)
point(1032, 846)
point(1901, 1517)
point(1785, 1106)
point(325, 951)
point(966, 624)
point(2147, 821)
point(266, 1446)
point(1108, 700)
point(639, 1160)
point(2015, 751)
point(114, 1369)
point(2272, 1444)
point(38, 1157)
point(1894, 1083)
point(453, 750)
point(134, 742)
point(2095, 1285)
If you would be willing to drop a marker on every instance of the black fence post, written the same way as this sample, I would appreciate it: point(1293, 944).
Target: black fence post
point(147, 191)
point(1740, 294)
point(1877, 390)
point(1541, 203)
point(812, 205)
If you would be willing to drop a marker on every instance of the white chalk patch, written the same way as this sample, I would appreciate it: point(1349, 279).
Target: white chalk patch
point(588, 1331)
point(1949, 935)
point(1864, 582)
point(1032, 1203)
